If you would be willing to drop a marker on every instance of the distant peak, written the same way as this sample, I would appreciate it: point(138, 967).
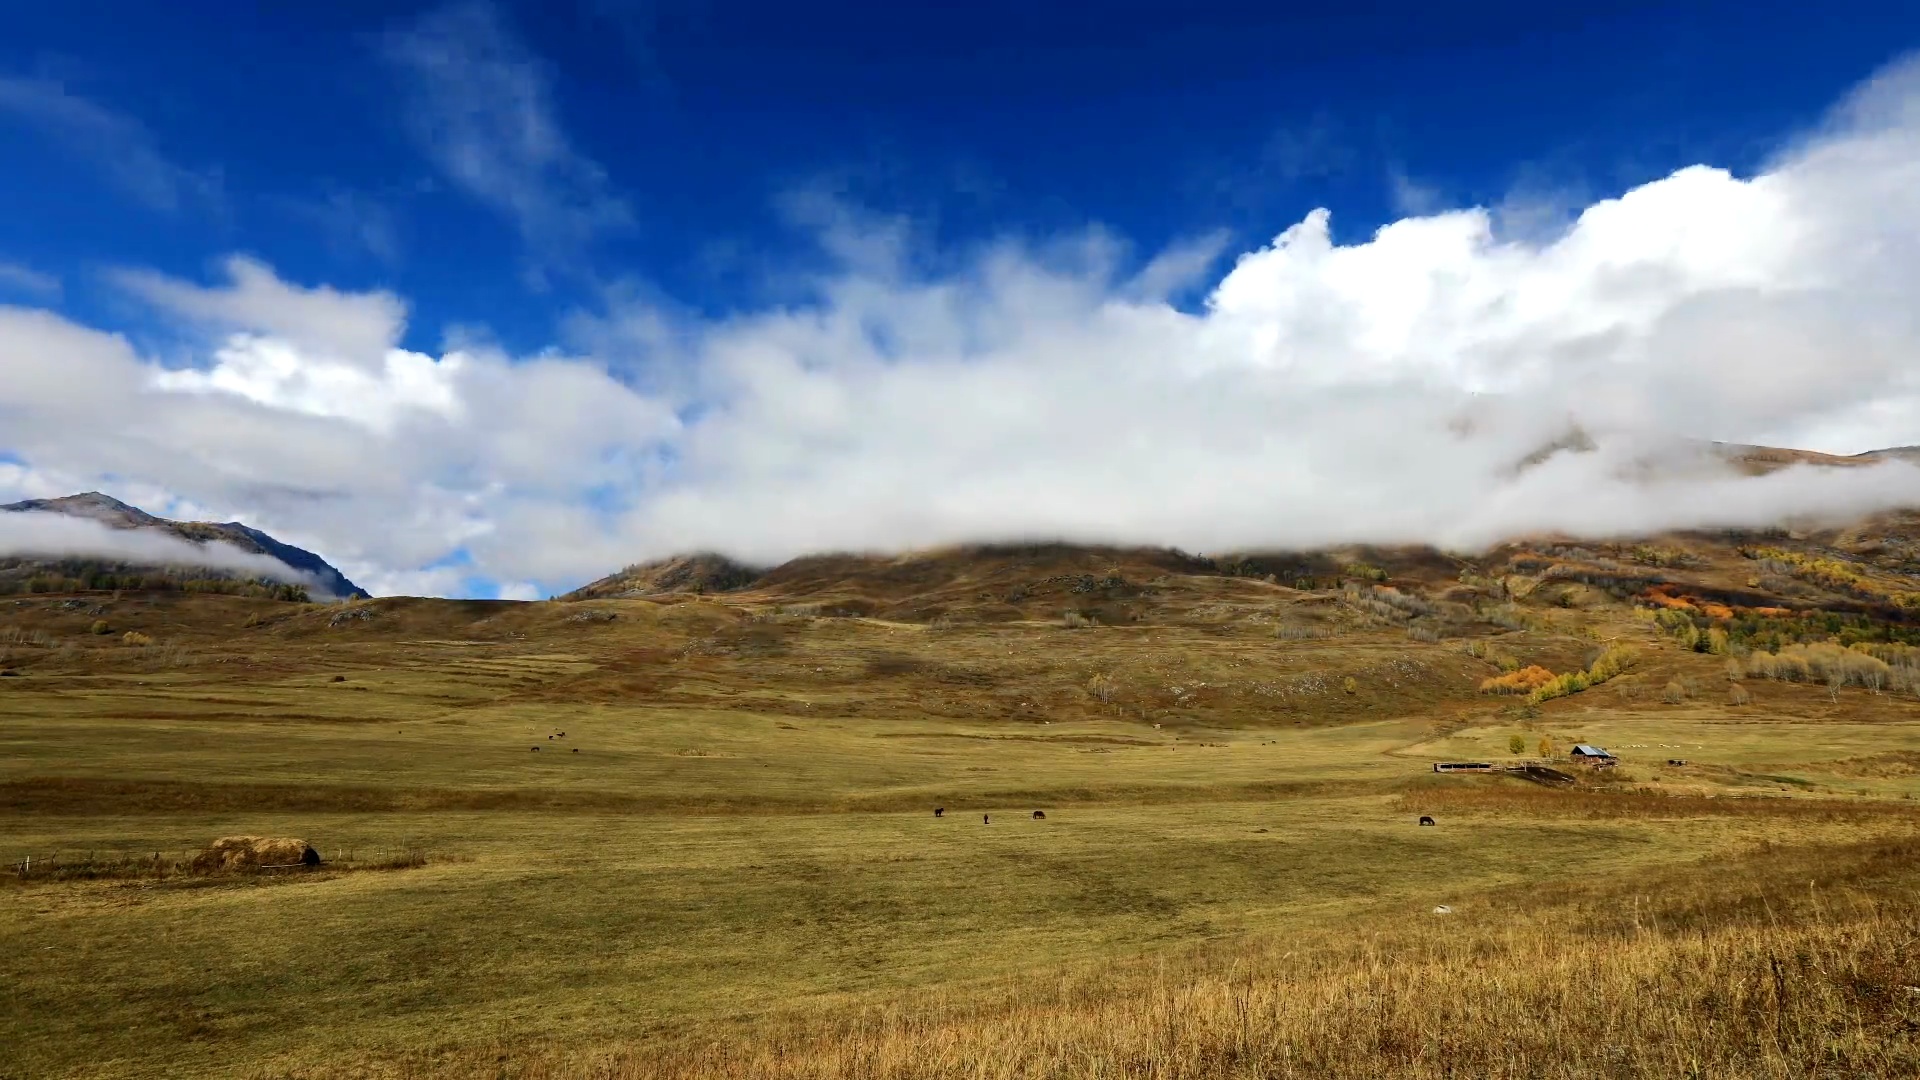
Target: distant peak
point(98, 498)
point(96, 505)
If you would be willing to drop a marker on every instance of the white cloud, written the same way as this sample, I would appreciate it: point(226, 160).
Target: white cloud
point(518, 590)
point(352, 223)
point(1384, 390)
point(276, 374)
point(32, 534)
point(482, 109)
point(16, 278)
point(339, 327)
point(119, 146)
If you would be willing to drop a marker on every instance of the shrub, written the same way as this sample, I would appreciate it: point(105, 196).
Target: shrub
point(1611, 662)
point(135, 637)
point(1826, 662)
point(1517, 745)
point(1737, 695)
point(1524, 681)
point(100, 627)
point(1508, 617)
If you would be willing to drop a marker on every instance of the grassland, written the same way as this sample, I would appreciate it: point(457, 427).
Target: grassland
point(739, 872)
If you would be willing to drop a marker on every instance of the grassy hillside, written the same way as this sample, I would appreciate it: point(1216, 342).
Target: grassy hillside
point(729, 863)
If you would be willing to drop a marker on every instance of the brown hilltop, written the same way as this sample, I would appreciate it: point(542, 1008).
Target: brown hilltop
point(700, 572)
point(1874, 561)
point(1000, 582)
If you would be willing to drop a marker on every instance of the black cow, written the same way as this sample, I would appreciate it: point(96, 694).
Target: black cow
point(939, 811)
point(1425, 820)
point(1039, 815)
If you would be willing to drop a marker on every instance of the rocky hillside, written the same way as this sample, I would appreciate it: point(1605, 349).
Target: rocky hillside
point(23, 571)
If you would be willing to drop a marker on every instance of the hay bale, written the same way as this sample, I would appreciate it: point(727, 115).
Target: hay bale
point(230, 854)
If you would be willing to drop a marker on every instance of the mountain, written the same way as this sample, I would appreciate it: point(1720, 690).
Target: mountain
point(696, 573)
point(1869, 568)
point(16, 571)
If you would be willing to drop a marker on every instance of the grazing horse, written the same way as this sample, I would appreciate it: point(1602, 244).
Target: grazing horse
point(939, 811)
point(1425, 820)
point(1039, 815)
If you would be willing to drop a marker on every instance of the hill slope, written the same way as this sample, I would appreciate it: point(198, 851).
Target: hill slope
point(1011, 581)
point(19, 567)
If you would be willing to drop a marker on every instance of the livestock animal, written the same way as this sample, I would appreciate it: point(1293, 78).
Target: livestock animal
point(1425, 820)
point(1039, 815)
point(535, 749)
point(939, 811)
point(986, 819)
point(576, 749)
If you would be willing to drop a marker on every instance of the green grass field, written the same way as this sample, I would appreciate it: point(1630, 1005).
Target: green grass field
point(747, 835)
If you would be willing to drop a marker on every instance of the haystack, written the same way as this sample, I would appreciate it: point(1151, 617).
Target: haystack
point(231, 853)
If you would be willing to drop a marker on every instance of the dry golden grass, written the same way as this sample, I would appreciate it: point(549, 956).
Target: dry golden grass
point(1786, 963)
point(738, 873)
point(1518, 798)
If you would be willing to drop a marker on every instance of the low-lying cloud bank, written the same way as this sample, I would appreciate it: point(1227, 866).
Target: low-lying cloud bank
point(43, 535)
point(1383, 390)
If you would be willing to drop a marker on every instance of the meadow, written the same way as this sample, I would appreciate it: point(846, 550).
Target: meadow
point(730, 865)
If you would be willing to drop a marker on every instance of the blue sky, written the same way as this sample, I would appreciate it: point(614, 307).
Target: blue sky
point(634, 185)
point(289, 130)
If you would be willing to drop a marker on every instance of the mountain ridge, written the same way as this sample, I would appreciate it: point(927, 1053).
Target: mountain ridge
point(1014, 580)
point(327, 582)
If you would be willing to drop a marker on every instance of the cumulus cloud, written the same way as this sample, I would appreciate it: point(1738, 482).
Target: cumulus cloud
point(36, 534)
point(326, 324)
point(1397, 388)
